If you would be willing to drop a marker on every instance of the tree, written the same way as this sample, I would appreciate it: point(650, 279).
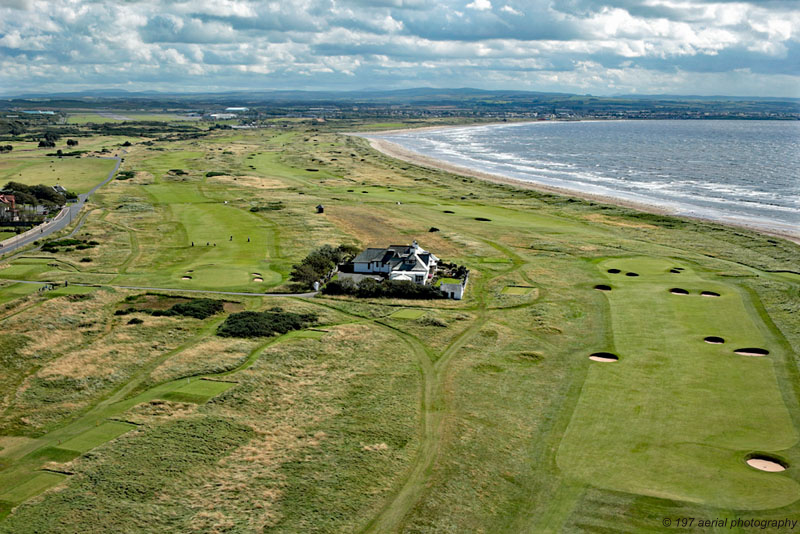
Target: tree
point(304, 274)
point(51, 136)
point(72, 142)
point(46, 144)
point(6, 148)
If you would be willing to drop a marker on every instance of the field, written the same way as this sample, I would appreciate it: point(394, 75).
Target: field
point(480, 415)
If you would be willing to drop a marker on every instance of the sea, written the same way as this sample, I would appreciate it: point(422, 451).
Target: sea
point(730, 171)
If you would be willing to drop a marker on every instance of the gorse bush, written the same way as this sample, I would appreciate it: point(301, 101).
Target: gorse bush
point(197, 308)
point(264, 324)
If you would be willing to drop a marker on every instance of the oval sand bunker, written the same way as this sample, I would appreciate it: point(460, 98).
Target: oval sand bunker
point(751, 351)
point(186, 278)
point(603, 357)
point(766, 463)
point(614, 271)
point(602, 287)
point(714, 340)
point(631, 274)
point(258, 279)
point(709, 294)
point(678, 291)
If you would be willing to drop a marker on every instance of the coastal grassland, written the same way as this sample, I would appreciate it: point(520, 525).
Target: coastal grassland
point(75, 174)
point(71, 351)
point(480, 415)
point(315, 425)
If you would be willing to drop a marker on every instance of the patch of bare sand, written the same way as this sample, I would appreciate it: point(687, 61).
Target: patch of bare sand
point(765, 465)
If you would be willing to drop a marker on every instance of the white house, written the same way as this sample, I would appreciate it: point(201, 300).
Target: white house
point(397, 262)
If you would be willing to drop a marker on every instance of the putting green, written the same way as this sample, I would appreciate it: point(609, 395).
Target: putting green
point(30, 486)
point(14, 291)
point(408, 314)
point(96, 436)
point(198, 391)
point(229, 245)
point(675, 417)
point(516, 290)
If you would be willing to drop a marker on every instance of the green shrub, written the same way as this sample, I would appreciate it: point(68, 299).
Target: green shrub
point(197, 308)
point(264, 324)
point(211, 174)
point(390, 289)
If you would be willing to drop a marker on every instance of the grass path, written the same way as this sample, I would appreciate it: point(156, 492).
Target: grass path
point(435, 402)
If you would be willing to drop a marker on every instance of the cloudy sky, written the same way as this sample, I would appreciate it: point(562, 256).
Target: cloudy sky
point(603, 47)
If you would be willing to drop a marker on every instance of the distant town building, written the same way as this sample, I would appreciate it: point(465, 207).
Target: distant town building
point(223, 116)
point(320, 209)
point(8, 208)
point(237, 110)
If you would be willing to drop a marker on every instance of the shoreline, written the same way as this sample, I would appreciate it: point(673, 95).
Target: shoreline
point(396, 151)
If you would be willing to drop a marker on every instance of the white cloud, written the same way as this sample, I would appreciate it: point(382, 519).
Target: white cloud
point(581, 45)
point(479, 5)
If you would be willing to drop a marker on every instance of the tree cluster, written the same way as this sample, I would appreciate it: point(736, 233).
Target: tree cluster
point(320, 263)
point(389, 289)
point(6, 148)
point(264, 324)
point(35, 194)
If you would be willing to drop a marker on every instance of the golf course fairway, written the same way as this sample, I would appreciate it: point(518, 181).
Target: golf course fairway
point(676, 417)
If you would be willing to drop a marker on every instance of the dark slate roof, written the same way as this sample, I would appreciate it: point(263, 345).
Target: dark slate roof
point(370, 254)
point(402, 250)
point(401, 265)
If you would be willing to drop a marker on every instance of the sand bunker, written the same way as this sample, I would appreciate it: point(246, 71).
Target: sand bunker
point(257, 279)
point(186, 278)
point(603, 357)
point(767, 463)
point(751, 351)
point(674, 271)
point(448, 211)
point(602, 287)
point(714, 340)
point(614, 271)
point(631, 274)
point(709, 294)
point(678, 291)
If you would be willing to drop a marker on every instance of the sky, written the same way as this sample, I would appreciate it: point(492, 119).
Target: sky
point(697, 47)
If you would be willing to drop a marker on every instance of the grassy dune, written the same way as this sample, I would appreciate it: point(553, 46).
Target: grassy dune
point(480, 415)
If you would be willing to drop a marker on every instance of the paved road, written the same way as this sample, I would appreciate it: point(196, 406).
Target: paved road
point(63, 219)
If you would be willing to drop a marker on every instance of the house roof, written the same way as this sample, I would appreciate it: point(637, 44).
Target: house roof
point(402, 265)
point(370, 254)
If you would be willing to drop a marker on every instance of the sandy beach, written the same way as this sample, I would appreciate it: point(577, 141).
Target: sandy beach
point(396, 151)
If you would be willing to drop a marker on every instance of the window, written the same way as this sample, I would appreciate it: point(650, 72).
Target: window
point(418, 278)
